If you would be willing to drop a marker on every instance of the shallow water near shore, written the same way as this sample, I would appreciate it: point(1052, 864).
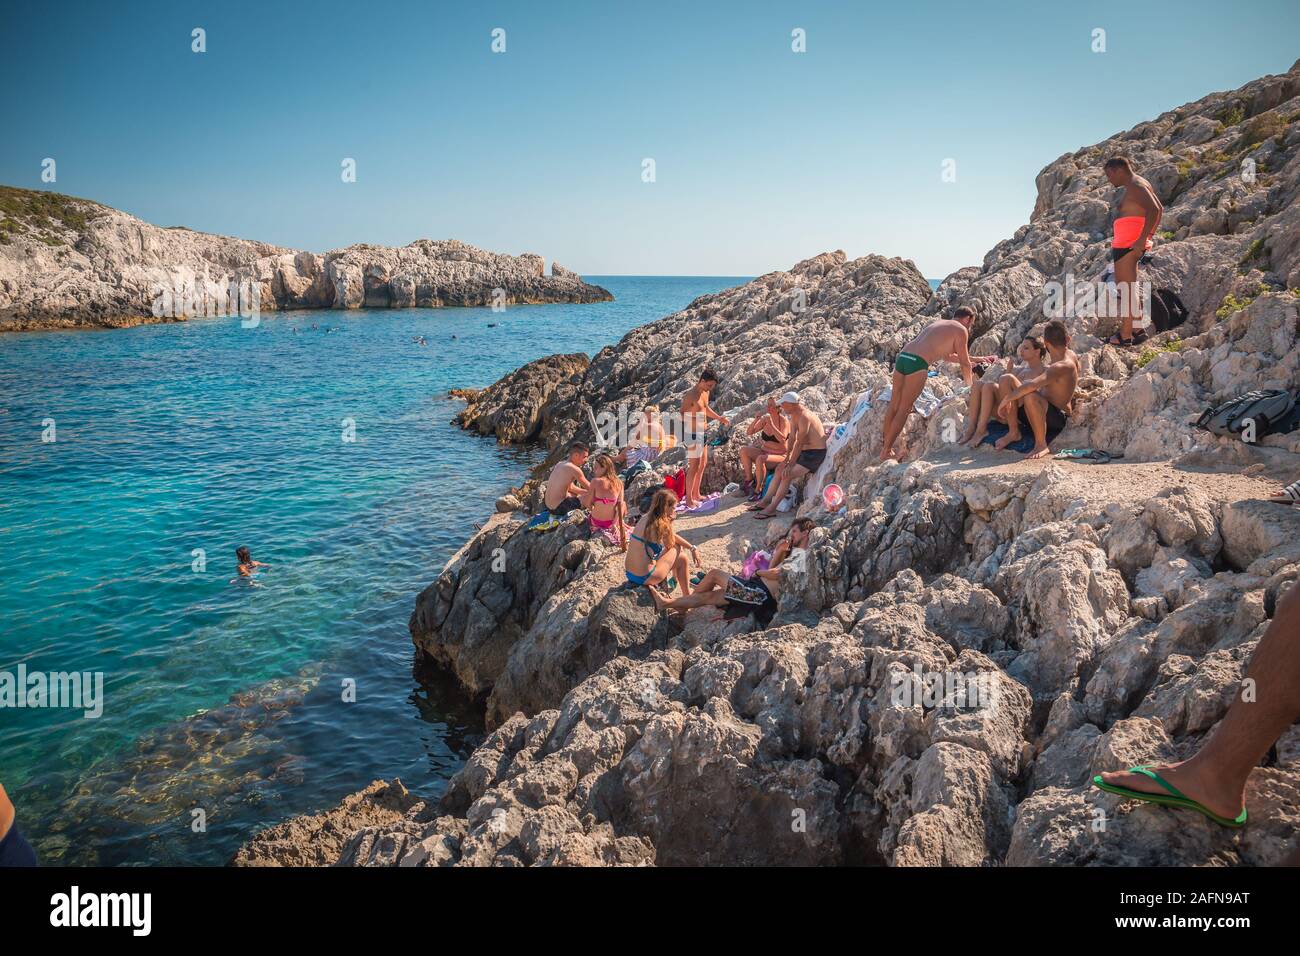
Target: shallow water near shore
point(227, 703)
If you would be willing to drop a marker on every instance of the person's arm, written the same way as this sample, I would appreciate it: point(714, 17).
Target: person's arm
point(1033, 385)
point(798, 438)
point(683, 543)
point(585, 495)
point(710, 414)
point(963, 357)
point(755, 426)
point(620, 511)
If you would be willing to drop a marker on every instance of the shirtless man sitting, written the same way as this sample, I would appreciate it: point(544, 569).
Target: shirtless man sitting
point(805, 452)
point(943, 340)
point(567, 482)
point(1139, 217)
point(696, 415)
point(1045, 401)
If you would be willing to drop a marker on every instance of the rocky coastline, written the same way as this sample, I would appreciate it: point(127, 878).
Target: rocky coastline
point(73, 263)
point(1107, 612)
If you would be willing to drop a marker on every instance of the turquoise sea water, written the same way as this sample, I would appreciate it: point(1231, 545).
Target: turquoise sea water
point(224, 700)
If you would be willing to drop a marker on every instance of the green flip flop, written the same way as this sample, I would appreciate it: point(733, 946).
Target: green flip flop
point(1174, 799)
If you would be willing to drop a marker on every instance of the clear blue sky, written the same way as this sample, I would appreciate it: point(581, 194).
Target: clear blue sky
point(763, 156)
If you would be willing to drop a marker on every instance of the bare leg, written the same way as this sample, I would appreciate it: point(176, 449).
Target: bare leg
point(771, 488)
point(972, 412)
point(790, 475)
point(1006, 385)
point(749, 461)
point(711, 598)
point(906, 390)
point(1036, 412)
point(990, 401)
point(1215, 775)
point(1126, 271)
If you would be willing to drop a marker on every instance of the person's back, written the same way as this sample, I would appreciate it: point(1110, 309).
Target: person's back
point(937, 340)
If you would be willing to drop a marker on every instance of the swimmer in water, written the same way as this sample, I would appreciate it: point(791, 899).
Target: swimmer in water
point(246, 563)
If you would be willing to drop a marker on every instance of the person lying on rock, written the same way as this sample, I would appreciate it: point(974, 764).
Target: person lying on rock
point(657, 551)
point(984, 393)
point(1139, 217)
point(696, 415)
point(805, 452)
point(773, 432)
point(942, 340)
point(1213, 780)
point(757, 594)
point(604, 502)
point(1042, 403)
point(566, 482)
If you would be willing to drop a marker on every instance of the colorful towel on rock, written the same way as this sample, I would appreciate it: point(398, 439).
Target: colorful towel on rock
point(1026, 443)
point(707, 503)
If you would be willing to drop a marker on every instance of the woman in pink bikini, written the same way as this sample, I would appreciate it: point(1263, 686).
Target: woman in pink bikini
point(604, 502)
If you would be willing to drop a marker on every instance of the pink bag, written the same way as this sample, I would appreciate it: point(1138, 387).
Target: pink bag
point(755, 562)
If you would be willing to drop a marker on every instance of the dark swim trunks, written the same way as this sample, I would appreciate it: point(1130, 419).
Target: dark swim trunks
point(1056, 419)
point(764, 609)
point(1118, 254)
point(811, 459)
point(15, 850)
point(564, 507)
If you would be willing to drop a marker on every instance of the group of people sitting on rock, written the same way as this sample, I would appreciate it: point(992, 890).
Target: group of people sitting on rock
point(655, 555)
point(1035, 395)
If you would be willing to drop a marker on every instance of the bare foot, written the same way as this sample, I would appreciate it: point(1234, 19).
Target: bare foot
point(975, 440)
point(1005, 440)
point(966, 436)
point(661, 602)
point(1210, 792)
point(1042, 452)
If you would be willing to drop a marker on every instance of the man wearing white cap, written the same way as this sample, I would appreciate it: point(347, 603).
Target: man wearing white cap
point(805, 452)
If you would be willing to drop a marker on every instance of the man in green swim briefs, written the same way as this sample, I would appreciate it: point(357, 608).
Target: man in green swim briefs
point(942, 340)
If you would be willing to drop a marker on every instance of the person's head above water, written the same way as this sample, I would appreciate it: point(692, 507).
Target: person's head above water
point(1055, 335)
point(578, 452)
point(1119, 170)
point(708, 380)
point(242, 555)
point(964, 314)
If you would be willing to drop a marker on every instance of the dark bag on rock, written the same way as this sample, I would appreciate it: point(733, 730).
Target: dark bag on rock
point(1167, 310)
point(1266, 407)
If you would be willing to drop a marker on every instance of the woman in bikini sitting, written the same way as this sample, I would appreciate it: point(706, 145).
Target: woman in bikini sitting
point(768, 451)
point(657, 550)
point(604, 503)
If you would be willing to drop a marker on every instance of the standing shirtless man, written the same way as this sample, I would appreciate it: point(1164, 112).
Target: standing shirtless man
point(943, 340)
point(1045, 401)
point(805, 452)
point(1139, 216)
point(696, 415)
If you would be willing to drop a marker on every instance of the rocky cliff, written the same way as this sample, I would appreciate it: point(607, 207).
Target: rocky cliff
point(67, 262)
point(1105, 614)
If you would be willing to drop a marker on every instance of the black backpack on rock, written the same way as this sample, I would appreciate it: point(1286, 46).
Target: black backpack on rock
point(1271, 410)
point(1167, 310)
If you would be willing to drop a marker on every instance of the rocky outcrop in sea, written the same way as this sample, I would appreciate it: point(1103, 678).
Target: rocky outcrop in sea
point(71, 263)
point(972, 636)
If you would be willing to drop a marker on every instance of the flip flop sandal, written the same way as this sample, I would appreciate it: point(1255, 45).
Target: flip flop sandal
point(1175, 798)
point(1118, 342)
point(762, 517)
